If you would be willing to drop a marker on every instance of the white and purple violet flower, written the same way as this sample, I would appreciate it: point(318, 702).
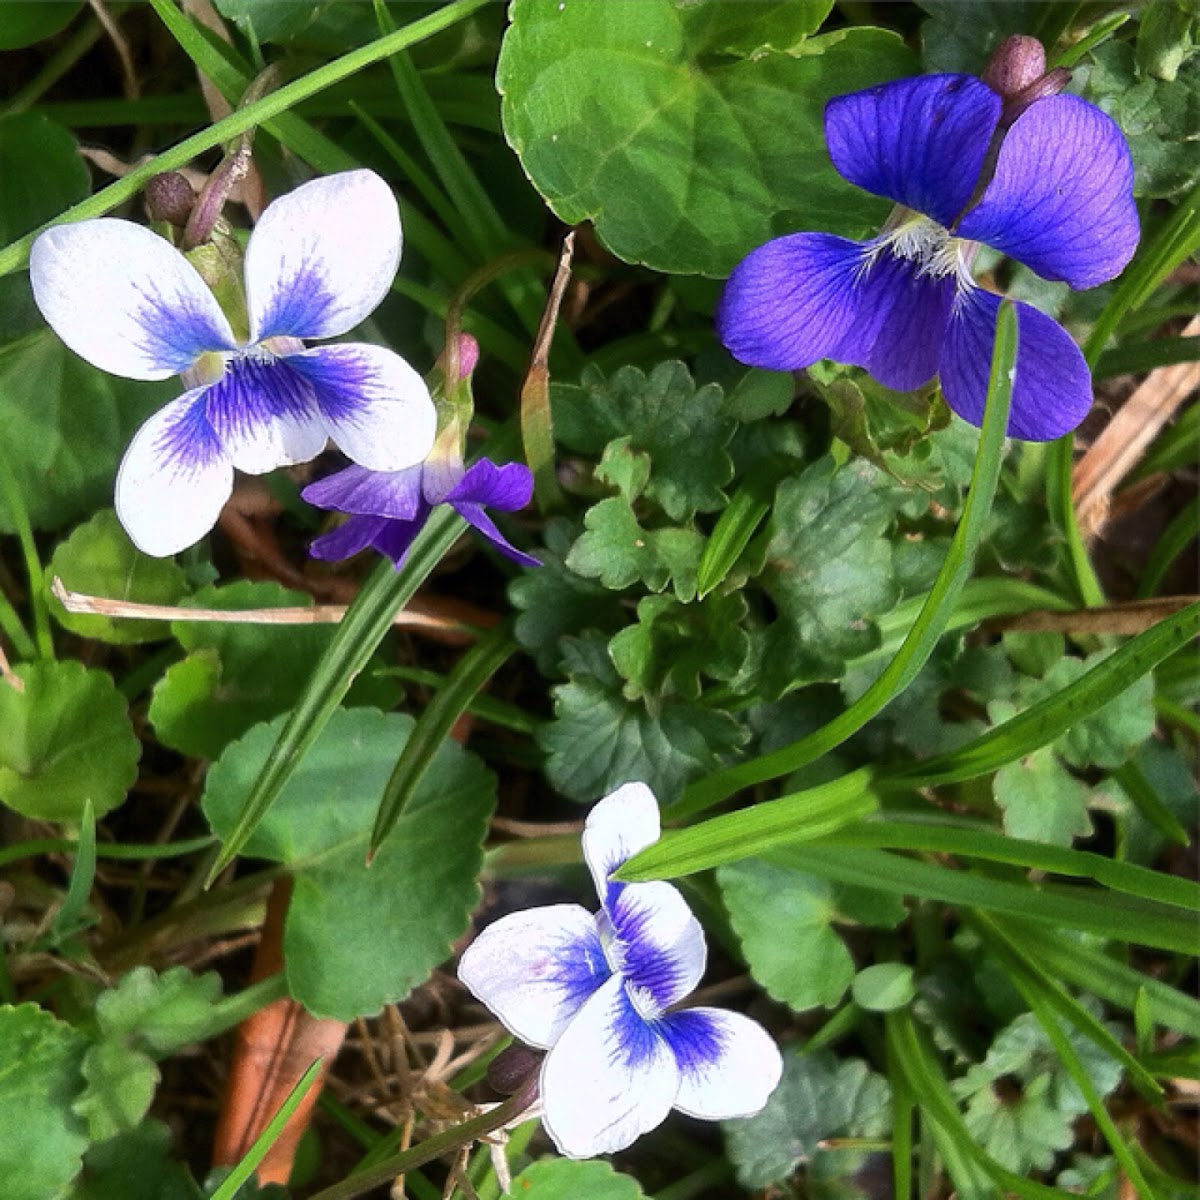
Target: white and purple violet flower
point(1053, 191)
point(320, 259)
point(598, 991)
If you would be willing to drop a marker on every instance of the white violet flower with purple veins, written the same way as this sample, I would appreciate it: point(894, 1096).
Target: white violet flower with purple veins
point(599, 992)
point(320, 259)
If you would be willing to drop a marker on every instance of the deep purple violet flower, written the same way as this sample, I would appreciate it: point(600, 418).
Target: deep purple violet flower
point(1056, 196)
point(389, 508)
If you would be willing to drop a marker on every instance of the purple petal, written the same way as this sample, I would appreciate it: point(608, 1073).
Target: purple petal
point(395, 537)
point(265, 414)
point(729, 1064)
point(394, 494)
point(1061, 201)
point(536, 969)
point(474, 515)
point(347, 539)
point(1052, 388)
point(792, 302)
point(507, 488)
point(920, 142)
point(909, 313)
point(659, 945)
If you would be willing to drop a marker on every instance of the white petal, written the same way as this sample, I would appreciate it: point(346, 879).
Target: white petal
point(265, 414)
point(125, 299)
point(730, 1064)
point(535, 969)
point(657, 944)
point(174, 479)
point(608, 1079)
point(620, 825)
point(322, 257)
point(374, 405)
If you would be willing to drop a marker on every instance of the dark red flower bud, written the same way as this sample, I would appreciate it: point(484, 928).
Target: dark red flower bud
point(1016, 63)
point(169, 197)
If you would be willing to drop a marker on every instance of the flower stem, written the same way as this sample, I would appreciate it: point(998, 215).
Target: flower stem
point(19, 516)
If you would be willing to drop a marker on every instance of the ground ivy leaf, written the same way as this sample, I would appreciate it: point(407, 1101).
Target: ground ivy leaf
point(819, 1097)
point(64, 740)
point(684, 159)
point(99, 559)
point(562, 1179)
point(809, 967)
point(359, 937)
point(66, 425)
point(615, 549)
point(555, 601)
point(1026, 1130)
point(41, 1065)
point(659, 433)
point(159, 1013)
point(134, 1166)
point(1041, 800)
point(828, 570)
point(599, 740)
point(236, 675)
point(120, 1085)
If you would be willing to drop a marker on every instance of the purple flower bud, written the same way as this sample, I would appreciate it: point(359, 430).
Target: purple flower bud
point(169, 197)
point(512, 1068)
point(1016, 63)
point(468, 355)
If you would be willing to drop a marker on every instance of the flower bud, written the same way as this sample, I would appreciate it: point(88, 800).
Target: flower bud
point(169, 197)
point(468, 355)
point(1016, 63)
point(512, 1068)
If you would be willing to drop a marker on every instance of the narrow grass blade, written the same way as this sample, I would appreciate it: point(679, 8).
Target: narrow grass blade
point(474, 669)
point(735, 527)
point(931, 622)
point(801, 816)
point(1044, 722)
point(69, 919)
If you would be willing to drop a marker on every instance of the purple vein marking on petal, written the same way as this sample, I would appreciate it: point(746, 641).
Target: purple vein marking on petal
point(696, 1041)
point(642, 960)
point(507, 488)
point(175, 330)
point(634, 1041)
point(580, 968)
point(339, 381)
point(190, 443)
point(253, 391)
point(298, 305)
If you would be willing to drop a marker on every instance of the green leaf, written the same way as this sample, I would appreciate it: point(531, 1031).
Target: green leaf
point(1024, 1127)
point(811, 965)
point(616, 550)
point(562, 1179)
point(272, 20)
point(134, 1166)
point(1041, 801)
point(64, 740)
point(29, 21)
point(818, 1098)
point(359, 937)
point(960, 34)
point(1166, 37)
point(66, 425)
point(685, 159)
point(99, 559)
point(1157, 117)
point(554, 600)
point(828, 570)
point(40, 1066)
point(658, 432)
point(120, 1085)
point(884, 987)
point(236, 675)
point(159, 1013)
point(599, 740)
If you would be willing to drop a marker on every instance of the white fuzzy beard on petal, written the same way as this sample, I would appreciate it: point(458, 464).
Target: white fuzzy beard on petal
point(932, 247)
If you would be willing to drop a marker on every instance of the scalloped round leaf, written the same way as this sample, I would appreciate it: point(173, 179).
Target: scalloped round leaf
point(884, 987)
point(43, 1140)
point(563, 1179)
point(686, 152)
point(66, 425)
point(359, 937)
point(99, 559)
point(64, 740)
point(236, 675)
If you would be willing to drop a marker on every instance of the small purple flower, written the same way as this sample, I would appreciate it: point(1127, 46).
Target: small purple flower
point(904, 306)
point(318, 262)
point(389, 508)
point(599, 992)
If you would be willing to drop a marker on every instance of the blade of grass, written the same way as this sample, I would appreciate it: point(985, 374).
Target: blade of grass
point(1047, 720)
point(1146, 800)
point(472, 671)
point(930, 623)
point(15, 255)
